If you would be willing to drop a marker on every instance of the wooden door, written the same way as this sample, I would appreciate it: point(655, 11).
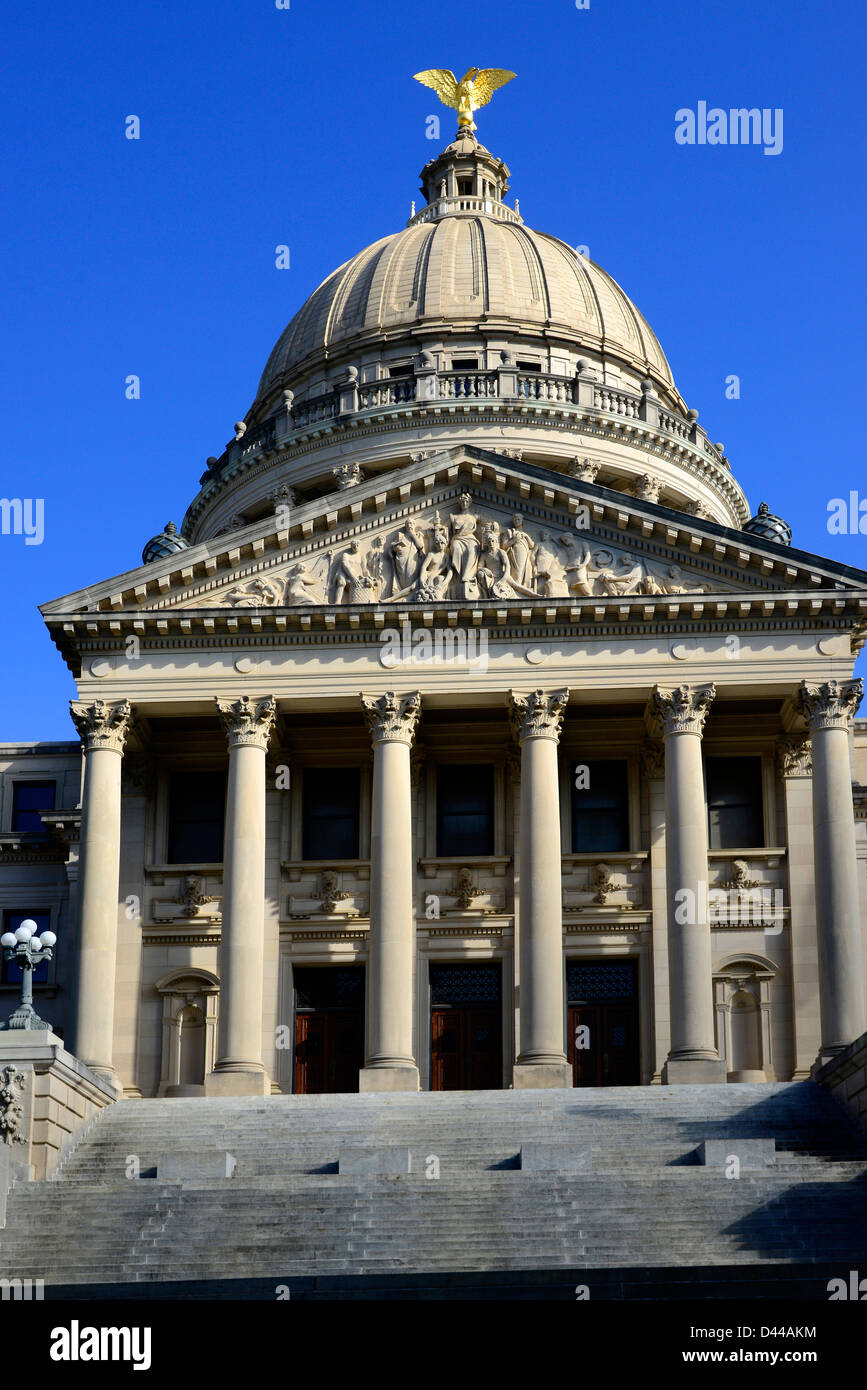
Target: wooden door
point(329, 1051)
point(465, 1048)
point(603, 1044)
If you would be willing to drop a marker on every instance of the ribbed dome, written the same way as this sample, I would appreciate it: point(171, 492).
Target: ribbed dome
point(466, 271)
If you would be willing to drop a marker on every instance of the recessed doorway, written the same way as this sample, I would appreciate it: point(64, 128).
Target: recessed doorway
point(466, 1027)
point(603, 1022)
point(329, 1028)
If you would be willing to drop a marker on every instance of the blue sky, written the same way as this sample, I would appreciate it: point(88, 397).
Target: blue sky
point(262, 126)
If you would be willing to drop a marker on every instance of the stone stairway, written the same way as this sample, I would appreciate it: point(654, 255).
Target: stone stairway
point(287, 1212)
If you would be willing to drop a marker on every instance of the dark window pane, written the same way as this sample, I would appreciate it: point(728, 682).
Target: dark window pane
point(28, 799)
point(11, 974)
point(734, 803)
point(197, 806)
point(329, 987)
point(465, 809)
point(600, 810)
point(330, 812)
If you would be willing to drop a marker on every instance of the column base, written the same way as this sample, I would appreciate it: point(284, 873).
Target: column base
point(539, 1076)
point(372, 1079)
point(237, 1083)
point(694, 1071)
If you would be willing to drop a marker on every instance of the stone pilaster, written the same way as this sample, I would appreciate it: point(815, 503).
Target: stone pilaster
point(239, 1069)
point(390, 1064)
point(103, 728)
point(795, 768)
point(678, 716)
point(653, 779)
point(829, 709)
point(537, 719)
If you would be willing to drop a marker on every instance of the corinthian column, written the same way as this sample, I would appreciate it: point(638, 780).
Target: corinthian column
point(390, 1063)
point(829, 710)
point(678, 716)
point(102, 728)
point(541, 1062)
point(239, 1069)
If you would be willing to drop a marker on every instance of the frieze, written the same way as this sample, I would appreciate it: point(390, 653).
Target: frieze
point(462, 554)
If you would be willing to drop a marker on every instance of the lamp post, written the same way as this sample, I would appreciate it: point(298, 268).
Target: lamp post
point(28, 950)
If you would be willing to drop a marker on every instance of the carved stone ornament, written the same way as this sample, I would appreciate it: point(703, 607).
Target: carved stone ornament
point(193, 899)
point(795, 757)
point(740, 879)
point(646, 488)
point(348, 475)
point(282, 497)
point(682, 710)
point(465, 890)
point(391, 718)
point(464, 554)
point(584, 470)
point(831, 705)
point(331, 894)
point(652, 755)
point(11, 1106)
point(603, 882)
point(539, 715)
point(248, 722)
point(102, 724)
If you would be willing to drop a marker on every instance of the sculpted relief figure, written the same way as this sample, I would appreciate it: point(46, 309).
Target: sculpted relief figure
point(465, 549)
point(495, 575)
point(259, 593)
point(520, 547)
point(303, 587)
point(551, 554)
point(407, 551)
point(352, 576)
point(436, 571)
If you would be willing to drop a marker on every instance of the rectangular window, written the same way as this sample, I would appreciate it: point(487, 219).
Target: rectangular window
point(405, 369)
point(11, 973)
point(330, 813)
point(197, 808)
point(600, 806)
point(465, 809)
point(465, 364)
point(28, 799)
point(528, 366)
point(734, 803)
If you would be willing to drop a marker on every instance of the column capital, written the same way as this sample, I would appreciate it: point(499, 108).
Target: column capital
point(391, 718)
point(795, 756)
point(538, 715)
point(103, 724)
point(248, 721)
point(680, 710)
point(830, 705)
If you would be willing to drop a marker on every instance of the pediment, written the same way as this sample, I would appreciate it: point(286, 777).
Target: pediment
point(460, 547)
point(469, 526)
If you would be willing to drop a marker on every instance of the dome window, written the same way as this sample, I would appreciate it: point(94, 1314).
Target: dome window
point(402, 369)
point(465, 364)
point(465, 188)
point(528, 366)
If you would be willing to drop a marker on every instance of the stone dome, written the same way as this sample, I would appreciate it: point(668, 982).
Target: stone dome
point(472, 272)
point(466, 328)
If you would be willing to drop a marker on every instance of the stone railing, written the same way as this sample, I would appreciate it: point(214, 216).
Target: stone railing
point(458, 386)
point(539, 386)
point(466, 203)
point(376, 394)
point(312, 412)
point(617, 403)
point(845, 1076)
point(49, 1097)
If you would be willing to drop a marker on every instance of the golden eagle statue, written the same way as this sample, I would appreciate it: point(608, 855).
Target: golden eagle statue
point(475, 89)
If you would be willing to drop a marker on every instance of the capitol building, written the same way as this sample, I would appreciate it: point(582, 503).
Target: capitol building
point(471, 730)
